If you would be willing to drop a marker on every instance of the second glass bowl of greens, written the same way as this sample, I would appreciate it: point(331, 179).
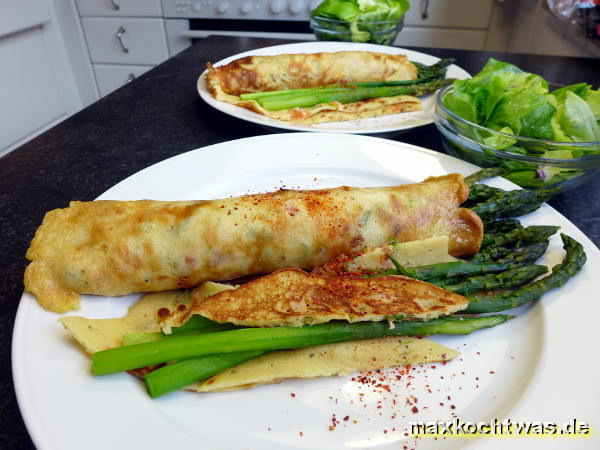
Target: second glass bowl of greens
point(381, 32)
point(527, 160)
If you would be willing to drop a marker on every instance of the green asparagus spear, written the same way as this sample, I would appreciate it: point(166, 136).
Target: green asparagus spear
point(512, 203)
point(502, 226)
point(182, 373)
point(425, 74)
point(534, 233)
point(345, 94)
point(329, 88)
point(573, 262)
point(195, 322)
point(185, 330)
point(504, 280)
point(277, 338)
point(510, 258)
point(435, 70)
point(485, 173)
point(481, 192)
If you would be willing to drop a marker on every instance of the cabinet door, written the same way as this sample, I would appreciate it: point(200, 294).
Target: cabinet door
point(37, 87)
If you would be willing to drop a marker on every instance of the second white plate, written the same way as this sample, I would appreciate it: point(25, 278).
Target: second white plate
point(373, 125)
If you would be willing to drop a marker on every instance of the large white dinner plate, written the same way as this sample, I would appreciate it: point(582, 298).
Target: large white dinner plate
point(374, 125)
point(542, 365)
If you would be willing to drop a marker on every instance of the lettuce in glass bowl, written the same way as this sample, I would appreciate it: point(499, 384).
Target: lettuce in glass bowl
point(373, 21)
point(503, 116)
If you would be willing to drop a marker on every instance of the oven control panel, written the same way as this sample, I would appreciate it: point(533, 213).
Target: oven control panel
point(239, 9)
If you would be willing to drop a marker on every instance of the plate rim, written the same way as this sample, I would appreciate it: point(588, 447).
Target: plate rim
point(281, 125)
point(36, 427)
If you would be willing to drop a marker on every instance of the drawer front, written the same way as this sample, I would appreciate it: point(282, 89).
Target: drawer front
point(112, 77)
point(441, 38)
point(125, 41)
point(450, 13)
point(136, 8)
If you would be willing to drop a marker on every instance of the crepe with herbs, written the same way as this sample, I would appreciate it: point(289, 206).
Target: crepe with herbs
point(120, 247)
point(325, 87)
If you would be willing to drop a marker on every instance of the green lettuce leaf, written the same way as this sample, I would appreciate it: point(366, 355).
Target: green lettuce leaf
point(593, 100)
point(362, 10)
point(577, 120)
point(337, 9)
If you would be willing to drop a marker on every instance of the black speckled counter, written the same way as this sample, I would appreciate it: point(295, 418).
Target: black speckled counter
point(158, 116)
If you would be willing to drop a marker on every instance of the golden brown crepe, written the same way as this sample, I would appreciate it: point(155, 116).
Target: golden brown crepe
point(305, 70)
point(296, 71)
point(325, 360)
point(291, 297)
point(119, 247)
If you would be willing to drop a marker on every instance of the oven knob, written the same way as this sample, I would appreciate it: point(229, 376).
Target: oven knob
point(223, 7)
point(246, 7)
point(297, 6)
point(277, 6)
point(197, 6)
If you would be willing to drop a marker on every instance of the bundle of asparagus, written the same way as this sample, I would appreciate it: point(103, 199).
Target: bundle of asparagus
point(429, 79)
point(500, 277)
point(507, 255)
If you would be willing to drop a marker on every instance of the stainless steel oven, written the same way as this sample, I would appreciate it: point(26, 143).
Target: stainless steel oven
point(187, 20)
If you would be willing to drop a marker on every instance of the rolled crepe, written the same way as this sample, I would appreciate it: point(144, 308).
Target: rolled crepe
point(305, 70)
point(296, 71)
point(119, 247)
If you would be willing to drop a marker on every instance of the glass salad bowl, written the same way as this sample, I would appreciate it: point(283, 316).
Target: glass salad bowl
point(531, 163)
point(383, 33)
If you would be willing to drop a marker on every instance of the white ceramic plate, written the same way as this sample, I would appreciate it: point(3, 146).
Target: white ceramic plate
point(544, 362)
point(383, 124)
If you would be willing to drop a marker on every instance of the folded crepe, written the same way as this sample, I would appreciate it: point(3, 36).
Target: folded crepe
point(119, 247)
point(297, 71)
point(291, 297)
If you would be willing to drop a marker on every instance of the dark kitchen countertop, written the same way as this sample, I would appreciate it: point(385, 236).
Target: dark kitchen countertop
point(158, 116)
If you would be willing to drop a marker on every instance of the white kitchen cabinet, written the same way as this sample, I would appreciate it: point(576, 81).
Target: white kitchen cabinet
point(125, 38)
point(112, 76)
point(37, 85)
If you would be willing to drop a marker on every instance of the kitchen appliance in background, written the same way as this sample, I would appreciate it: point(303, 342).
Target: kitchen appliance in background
point(461, 24)
point(189, 20)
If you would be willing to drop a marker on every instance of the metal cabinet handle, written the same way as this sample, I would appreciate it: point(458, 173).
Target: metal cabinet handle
point(424, 9)
point(116, 6)
point(120, 33)
point(130, 78)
